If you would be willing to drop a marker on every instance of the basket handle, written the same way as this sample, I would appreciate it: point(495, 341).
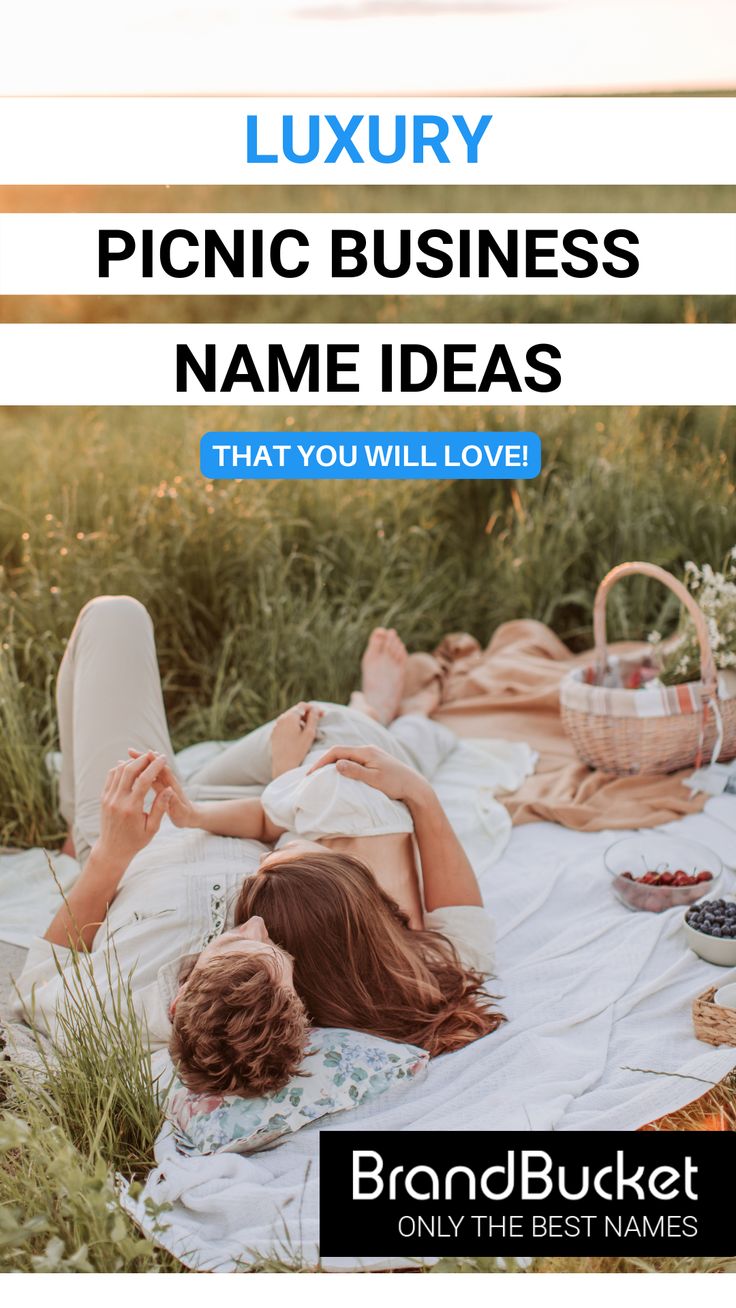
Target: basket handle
point(707, 665)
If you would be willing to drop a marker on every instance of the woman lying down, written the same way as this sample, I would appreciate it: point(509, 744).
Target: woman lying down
point(233, 950)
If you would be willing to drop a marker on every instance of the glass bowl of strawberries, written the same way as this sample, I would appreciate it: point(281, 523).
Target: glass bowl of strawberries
point(652, 871)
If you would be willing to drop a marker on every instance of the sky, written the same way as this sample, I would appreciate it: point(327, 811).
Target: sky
point(86, 47)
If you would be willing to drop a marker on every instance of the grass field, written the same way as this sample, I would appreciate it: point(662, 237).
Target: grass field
point(264, 593)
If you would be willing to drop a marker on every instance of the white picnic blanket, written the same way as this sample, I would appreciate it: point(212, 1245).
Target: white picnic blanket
point(32, 882)
point(599, 1037)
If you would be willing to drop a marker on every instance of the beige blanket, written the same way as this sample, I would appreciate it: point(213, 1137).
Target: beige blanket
point(511, 690)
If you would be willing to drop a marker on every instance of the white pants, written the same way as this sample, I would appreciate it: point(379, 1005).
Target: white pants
point(109, 698)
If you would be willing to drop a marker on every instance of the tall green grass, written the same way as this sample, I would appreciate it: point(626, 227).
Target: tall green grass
point(263, 593)
point(59, 1210)
point(74, 1128)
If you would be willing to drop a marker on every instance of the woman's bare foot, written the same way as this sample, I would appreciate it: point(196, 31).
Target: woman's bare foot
point(423, 679)
point(382, 675)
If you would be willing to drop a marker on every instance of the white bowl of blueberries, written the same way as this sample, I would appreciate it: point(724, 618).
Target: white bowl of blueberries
point(710, 927)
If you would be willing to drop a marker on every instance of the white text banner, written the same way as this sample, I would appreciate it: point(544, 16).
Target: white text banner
point(338, 364)
point(487, 140)
point(368, 254)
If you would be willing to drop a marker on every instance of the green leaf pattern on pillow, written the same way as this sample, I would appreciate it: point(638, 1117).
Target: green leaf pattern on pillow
point(342, 1069)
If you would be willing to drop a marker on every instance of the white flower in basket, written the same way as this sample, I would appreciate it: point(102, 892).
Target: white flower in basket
point(678, 659)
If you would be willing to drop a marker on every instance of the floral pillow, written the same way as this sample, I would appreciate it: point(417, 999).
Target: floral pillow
point(341, 1070)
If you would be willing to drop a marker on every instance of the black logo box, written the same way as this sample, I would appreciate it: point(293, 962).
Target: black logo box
point(695, 1220)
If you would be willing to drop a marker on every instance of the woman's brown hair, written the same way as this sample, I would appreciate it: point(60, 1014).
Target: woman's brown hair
point(356, 962)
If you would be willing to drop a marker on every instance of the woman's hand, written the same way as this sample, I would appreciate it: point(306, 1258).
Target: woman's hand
point(293, 736)
point(447, 875)
point(181, 810)
point(379, 769)
point(125, 828)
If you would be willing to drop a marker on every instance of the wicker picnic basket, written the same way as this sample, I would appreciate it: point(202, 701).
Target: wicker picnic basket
point(714, 1025)
point(644, 731)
